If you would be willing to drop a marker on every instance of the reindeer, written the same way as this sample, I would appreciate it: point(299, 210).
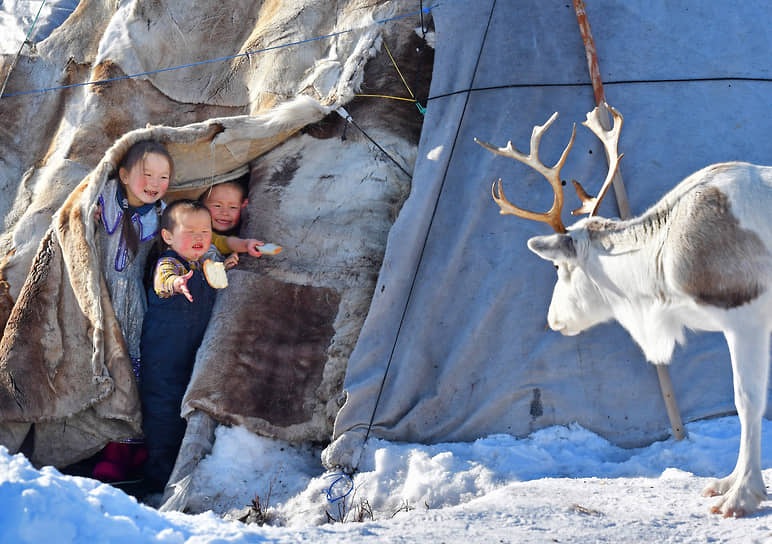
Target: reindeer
point(700, 258)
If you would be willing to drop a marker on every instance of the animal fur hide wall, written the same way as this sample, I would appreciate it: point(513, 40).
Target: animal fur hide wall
point(275, 355)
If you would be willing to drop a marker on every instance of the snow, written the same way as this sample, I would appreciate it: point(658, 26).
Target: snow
point(560, 484)
point(20, 17)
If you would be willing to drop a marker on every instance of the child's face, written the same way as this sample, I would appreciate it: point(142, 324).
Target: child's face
point(147, 180)
point(225, 203)
point(191, 236)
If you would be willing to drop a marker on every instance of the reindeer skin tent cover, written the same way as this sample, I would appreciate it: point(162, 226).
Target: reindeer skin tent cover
point(455, 346)
point(64, 371)
point(64, 363)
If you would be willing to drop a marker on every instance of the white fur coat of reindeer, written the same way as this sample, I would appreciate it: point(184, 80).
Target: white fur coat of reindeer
point(700, 258)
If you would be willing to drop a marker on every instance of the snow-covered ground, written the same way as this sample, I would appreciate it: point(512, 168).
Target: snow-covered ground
point(561, 484)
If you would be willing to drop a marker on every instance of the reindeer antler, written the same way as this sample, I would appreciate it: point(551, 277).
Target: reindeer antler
point(610, 139)
point(552, 174)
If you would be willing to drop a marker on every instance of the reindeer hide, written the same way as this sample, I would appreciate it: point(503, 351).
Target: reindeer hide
point(276, 353)
point(63, 362)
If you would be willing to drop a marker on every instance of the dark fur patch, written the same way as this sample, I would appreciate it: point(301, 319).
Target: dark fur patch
point(414, 59)
point(271, 364)
point(332, 126)
point(721, 263)
point(600, 225)
point(283, 171)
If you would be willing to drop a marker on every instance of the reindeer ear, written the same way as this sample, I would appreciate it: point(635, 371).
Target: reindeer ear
point(553, 247)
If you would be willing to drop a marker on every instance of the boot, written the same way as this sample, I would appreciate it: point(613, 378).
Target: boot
point(114, 464)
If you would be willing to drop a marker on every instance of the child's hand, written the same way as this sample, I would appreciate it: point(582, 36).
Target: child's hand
point(253, 247)
point(181, 285)
point(98, 213)
point(231, 260)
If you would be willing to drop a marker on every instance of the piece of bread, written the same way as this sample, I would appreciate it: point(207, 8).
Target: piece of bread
point(215, 274)
point(269, 249)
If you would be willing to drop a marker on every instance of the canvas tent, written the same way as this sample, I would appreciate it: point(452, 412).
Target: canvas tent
point(455, 345)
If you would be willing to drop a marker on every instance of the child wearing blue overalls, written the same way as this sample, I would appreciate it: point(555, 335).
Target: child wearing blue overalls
point(179, 306)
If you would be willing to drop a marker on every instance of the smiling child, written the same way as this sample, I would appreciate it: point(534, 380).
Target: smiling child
point(226, 201)
point(128, 211)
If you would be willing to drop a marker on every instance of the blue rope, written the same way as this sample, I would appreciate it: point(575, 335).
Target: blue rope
point(340, 476)
point(229, 57)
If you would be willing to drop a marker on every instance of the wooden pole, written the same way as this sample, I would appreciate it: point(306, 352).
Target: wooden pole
point(665, 385)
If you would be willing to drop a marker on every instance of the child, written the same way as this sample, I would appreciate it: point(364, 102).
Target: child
point(129, 208)
point(179, 306)
point(225, 201)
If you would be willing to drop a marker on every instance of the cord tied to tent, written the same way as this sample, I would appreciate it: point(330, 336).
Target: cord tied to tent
point(424, 9)
point(21, 48)
point(330, 492)
point(412, 98)
point(209, 61)
point(347, 116)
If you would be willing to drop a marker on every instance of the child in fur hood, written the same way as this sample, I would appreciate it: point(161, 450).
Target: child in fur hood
point(128, 212)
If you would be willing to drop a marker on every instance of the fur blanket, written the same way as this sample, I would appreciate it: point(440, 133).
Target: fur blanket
point(64, 369)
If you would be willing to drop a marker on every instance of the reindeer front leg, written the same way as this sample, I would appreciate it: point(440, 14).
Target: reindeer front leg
point(743, 490)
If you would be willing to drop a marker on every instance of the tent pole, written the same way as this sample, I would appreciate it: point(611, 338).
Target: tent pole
point(665, 385)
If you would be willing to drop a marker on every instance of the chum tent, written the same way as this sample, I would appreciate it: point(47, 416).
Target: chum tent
point(455, 346)
point(235, 89)
point(441, 338)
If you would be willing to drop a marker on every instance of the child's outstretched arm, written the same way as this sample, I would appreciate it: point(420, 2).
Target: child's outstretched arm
point(245, 245)
point(231, 260)
point(181, 285)
point(171, 278)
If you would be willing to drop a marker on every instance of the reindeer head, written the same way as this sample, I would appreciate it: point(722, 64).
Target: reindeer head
point(577, 302)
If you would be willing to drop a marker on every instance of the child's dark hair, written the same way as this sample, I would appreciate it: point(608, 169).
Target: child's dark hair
point(136, 153)
point(142, 149)
point(170, 217)
point(240, 183)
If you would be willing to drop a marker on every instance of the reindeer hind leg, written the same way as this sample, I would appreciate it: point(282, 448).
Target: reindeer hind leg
point(743, 490)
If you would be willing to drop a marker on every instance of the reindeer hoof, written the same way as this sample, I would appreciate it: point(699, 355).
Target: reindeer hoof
point(738, 502)
point(718, 487)
point(729, 513)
